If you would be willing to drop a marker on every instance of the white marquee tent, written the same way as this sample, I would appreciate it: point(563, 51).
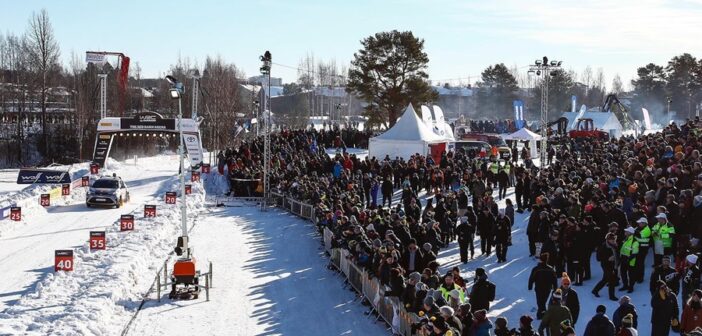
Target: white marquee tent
point(524, 134)
point(410, 135)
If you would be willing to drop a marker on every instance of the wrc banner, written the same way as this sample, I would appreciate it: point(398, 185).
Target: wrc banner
point(97, 58)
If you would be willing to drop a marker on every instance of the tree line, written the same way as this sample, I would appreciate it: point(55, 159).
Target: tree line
point(50, 110)
point(390, 71)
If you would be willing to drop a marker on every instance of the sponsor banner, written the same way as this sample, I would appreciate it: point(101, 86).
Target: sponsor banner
point(38, 175)
point(148, 122)
point(97, 58)
point(192, 144)
point(102, 148)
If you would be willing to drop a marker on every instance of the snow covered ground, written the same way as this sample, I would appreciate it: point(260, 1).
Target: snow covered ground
point(270, 278)
point(99, 296)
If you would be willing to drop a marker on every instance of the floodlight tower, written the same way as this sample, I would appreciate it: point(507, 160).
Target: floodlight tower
point(267, 60)
point(544, 69)
point(176, 91)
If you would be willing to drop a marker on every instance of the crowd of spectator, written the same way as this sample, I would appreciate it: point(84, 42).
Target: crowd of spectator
point(616, 200)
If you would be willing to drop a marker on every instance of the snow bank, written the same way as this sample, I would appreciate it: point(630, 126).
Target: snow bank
point(107, 286)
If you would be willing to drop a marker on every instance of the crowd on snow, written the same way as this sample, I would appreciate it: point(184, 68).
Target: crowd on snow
point(493, 126)
point(619, 201)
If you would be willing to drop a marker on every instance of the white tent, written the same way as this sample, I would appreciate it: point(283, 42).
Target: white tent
point(410, 135)
point(605, 121)
point(524, 134)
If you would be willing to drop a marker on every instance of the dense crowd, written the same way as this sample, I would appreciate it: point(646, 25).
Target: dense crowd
point(617, 200)
point(493, 126)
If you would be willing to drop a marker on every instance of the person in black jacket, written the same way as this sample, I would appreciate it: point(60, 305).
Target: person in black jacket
point(386, 189)
point(665, 273)
point(481, 291)
point(664, 305)
point(543, 279)
point(625, 307)
point(600, 324)
point(466, 233)
point(608, 256)
point(486, 225)
point(503, 235)
point(569, 298)
point(532, 230)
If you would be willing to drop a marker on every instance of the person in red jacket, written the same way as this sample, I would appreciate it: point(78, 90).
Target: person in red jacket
point(692, 313)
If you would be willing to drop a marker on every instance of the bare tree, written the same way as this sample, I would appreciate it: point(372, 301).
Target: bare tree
point(43, 55)
point(617, 86)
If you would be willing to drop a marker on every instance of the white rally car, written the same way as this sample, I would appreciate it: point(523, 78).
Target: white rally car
point(107, 191)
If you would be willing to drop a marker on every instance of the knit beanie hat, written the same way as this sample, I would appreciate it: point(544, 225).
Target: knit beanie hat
point(628, 320)
point(446, 310)
point(558, 294)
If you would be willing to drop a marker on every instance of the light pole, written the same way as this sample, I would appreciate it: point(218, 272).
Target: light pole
point(267, 60)
point(545, 70)
point(177, 90)
point(669, 100)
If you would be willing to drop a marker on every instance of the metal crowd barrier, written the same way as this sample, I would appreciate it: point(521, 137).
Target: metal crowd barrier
point(390, 309)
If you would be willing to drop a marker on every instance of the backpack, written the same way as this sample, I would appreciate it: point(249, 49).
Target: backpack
point(490, 288)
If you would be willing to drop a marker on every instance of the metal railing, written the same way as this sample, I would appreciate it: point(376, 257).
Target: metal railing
point(390, 309)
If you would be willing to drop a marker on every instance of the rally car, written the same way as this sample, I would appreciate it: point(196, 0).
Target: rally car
point(107, 191)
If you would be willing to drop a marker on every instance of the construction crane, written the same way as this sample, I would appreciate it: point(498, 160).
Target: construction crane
point(98, 57)
point(612, 104)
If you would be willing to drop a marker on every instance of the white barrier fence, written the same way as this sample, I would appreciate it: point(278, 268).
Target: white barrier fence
point(390, 309)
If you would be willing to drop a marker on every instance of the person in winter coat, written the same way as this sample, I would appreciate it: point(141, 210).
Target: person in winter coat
point(555, 316)
point(503, 235)
point(664, 312)
point(627, 328)
point(448, 314)
point(483, 291)
point(509, 211)
point(486, 225)
point(690, 278)
point(466, 234)
point(628, 252)
point(625, 308)
point(608, 256)
point(532, 230)
point(386, 190)
point(692, 313)
point(665, 272)
point(501, 328)
point(412, 259)
point(409, 294)
point(600, 324)
point(465, 315)
point(569, 298)
point(543, 279)
point(448, 285)
point(525, 328)
point(481, 324)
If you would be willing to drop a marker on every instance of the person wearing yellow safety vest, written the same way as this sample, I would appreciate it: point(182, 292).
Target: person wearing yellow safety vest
point(448, 286)
point(662, 234)
point(643, 236)
point(494, 168)
point(628, 252)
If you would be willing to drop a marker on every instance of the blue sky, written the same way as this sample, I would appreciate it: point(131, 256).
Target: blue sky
point(461, 37)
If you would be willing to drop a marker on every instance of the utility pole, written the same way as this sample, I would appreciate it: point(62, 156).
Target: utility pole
point(542, 68)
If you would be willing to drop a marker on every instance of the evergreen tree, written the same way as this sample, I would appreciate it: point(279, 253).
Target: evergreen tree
point(389, 72)
point(684, 77)
point(496, 92)
point(649, 89)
